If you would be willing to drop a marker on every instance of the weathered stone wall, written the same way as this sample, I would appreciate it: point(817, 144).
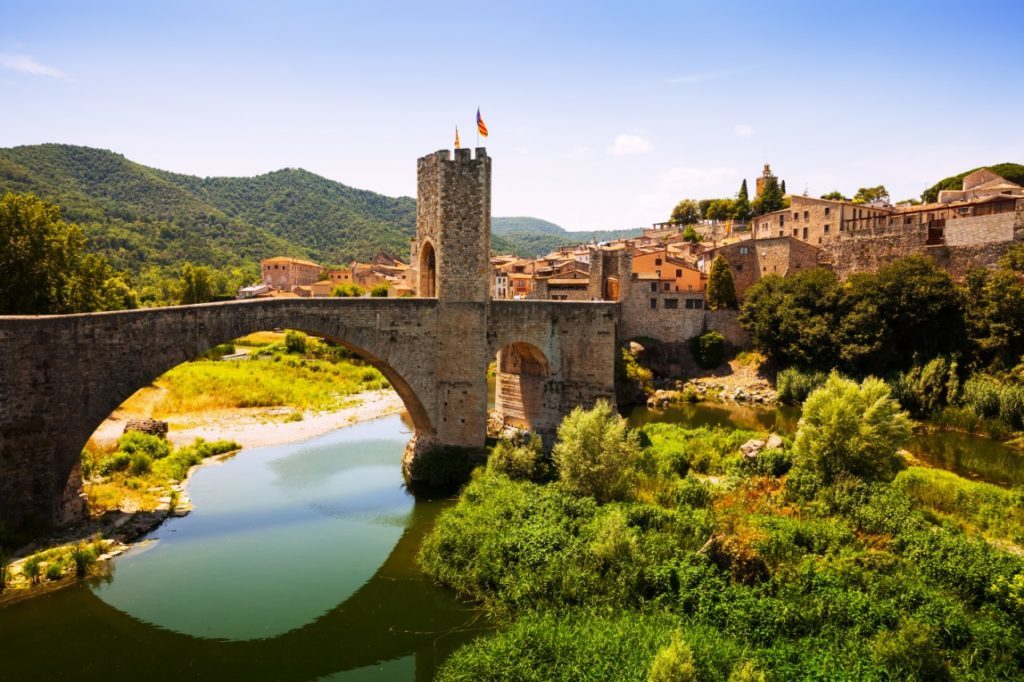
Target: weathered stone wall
point(659, 315)
point(983, 229)
point(61, 376)
point(727, 323)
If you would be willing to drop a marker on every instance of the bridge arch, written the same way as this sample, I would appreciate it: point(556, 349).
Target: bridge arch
point(75, 370)
point(427, 285)
point(524, 395)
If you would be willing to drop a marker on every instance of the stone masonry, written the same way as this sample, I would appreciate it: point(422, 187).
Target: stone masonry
point(62, 375)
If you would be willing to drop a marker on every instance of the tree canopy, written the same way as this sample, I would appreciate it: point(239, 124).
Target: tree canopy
point(721, 290)
point(45, 265)
point(686, 212)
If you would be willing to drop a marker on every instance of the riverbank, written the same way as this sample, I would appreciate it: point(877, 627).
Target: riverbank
point(122, 528)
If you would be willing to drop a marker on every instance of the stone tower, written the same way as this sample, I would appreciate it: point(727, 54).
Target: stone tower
point(451, 261)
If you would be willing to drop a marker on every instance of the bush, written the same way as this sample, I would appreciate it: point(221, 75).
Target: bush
point(850, 429)
point(295, 342)
point(348, 290)
point(140, 464)
point(910, 653)
point(981, 394)
point(133, 442)
point(117, 461)
point(83, 556)
point(708, 349)
point(794, 386)
point(1011, 406)
point(523, 461)
point(746, 672)
point(379, 291)
point(31, 569)
point(596, 453)
point(674, 663)
point(54, 570)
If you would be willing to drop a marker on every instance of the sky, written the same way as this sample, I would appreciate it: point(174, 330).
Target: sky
point(601, 115)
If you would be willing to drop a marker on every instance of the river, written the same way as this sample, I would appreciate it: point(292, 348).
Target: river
point(298, 563)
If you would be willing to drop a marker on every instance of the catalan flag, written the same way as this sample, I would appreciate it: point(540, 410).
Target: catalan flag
point(481, 127)
point(457, 137)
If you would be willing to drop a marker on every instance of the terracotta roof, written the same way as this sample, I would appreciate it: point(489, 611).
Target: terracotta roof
point(583, 282)
point(294, 261)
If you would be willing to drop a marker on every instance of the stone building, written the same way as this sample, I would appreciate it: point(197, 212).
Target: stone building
point(286, 273)
point(751, 259)
point(815, 221)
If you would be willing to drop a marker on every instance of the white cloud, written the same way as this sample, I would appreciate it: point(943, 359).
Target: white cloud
point(743, 130)
point(22, 63)
point(626, 145)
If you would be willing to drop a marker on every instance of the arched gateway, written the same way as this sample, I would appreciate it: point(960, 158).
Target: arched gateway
point(62, 375)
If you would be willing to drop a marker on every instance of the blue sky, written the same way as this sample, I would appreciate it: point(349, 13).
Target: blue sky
point(602, 115)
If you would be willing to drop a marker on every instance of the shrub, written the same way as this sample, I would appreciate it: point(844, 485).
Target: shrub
point(83, 556)
point(117, 461)
point(31, 569)
point(910, 652)
point(54, 570)
point(981, 394)
point(140, 464)
point(596, 453)
point(380, 291)
point(295, 342)
point(1011, 405)
point(708, 349)
point(794, 386)
point(137, 442)
point(746, 672)
point(348, 290)
point(523, 461)
point(674, 663)
point(848, 428)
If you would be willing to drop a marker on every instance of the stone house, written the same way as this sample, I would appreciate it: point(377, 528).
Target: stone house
point(815, 221)
point(751, 259)
point(286, 273)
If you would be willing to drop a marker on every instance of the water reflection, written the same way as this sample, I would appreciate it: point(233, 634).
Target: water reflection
point(298, 564)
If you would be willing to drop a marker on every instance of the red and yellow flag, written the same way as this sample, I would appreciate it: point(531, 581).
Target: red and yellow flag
point(481, 127)
point(456, 137)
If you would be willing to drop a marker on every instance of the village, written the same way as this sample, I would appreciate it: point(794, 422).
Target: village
point(660, 277)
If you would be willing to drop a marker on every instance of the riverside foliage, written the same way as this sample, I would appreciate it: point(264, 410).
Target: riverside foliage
point(739, 579)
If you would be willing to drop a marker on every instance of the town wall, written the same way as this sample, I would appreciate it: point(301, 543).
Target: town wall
point(727, 323)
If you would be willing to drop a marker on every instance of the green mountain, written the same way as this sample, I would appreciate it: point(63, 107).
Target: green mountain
point(1014, 172)
point(535, 237)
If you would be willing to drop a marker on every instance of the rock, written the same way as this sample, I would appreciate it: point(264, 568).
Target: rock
point(752, 448)
point(153, 427)
point(774, 442)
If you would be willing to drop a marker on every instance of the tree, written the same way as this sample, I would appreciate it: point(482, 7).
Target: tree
point(721, 292)
point(348, 290)
point(867, 195)
point(741, 208)
point(46, 269)
point(772, 197)
point(596, 454)
point(850, 429)
point(835, 195)
point(792, 319)
point(674, 663)
point(379, 290)
point(720, 209)
point(690, 235)
point(783, 187)
point(195, 284)
point(686, 212)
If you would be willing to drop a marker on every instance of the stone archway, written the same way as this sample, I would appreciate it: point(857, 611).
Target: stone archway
point(428, 271)
point(522, 396)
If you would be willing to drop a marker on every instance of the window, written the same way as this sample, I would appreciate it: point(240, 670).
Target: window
point(739, 268)
point(657, 261)
point(782, 220)
point(806, 215)
point(679, 272)
point(671, 303)
point(805, 233)
point(744, 250)
point(665, 286)
point(654, 303)
point(694, 303)
point(796, 215)
point(654, 287)
point(827, 209)
point(796, 232)
point(826, 229)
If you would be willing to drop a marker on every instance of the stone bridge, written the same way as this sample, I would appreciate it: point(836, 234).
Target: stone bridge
point(62, 375)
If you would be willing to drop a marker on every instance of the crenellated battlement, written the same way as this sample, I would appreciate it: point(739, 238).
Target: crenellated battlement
point(463, 155)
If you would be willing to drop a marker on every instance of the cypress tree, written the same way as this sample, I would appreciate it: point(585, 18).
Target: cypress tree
point(741, 208)
point(721, 292)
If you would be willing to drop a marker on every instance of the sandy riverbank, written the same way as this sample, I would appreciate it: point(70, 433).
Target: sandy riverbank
point(259, 426)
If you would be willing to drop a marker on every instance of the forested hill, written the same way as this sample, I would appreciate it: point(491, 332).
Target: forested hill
point(535, 237)
point(1014, 172)
point(149, 221)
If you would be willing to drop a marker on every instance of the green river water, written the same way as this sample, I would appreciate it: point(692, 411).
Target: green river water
point(298, 563)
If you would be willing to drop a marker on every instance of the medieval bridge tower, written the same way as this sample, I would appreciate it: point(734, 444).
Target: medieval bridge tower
point(62, 375)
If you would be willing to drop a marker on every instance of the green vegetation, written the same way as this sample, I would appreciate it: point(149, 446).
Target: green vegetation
point(595, 452)
point(78, 560)
point(46, 267)
point(379, 291)
point(708, 349)
point(1014, 172)
point(733, 577)
point(721, 292)
point(793, 386)
point(531, 237)
point(348, 290)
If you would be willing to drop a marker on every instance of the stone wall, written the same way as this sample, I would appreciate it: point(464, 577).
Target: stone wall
point(659, 315)
point(727, 323)
point(983, 229)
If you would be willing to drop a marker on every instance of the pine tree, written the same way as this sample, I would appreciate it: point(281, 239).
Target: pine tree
point(783, 187)
point(721, 292)
point(772, 198)
point(741, 207)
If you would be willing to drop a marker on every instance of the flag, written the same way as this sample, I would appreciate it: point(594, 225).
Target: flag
point(481, 127)
point(456, 137)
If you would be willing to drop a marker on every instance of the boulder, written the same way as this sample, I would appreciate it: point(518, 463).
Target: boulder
point(153, 427)
point(774, 442)
point(752, 448)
